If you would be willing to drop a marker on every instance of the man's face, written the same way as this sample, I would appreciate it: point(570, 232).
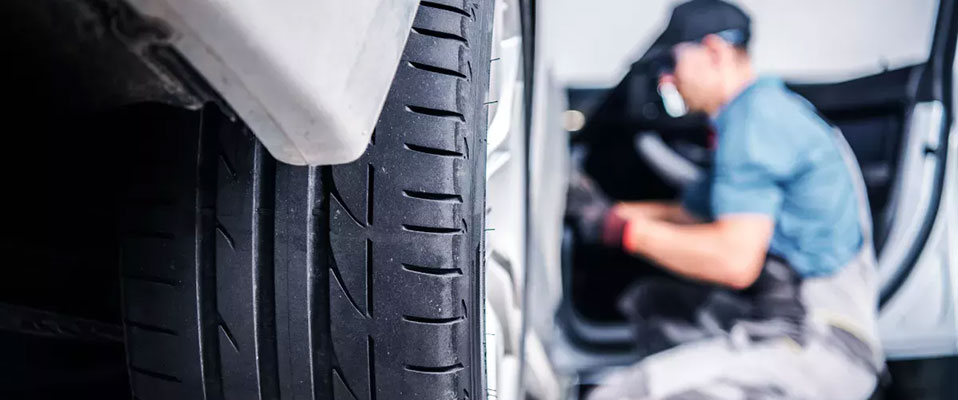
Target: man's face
point(696, 76)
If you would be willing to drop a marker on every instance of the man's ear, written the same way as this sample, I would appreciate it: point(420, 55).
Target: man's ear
point(666, 78)
point(717, 48)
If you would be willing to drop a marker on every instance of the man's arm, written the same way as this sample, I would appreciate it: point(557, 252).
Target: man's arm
point(670, 211)
point(729, 251)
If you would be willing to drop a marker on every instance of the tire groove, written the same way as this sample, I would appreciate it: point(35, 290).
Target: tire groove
point(342, 286)
point(441, 35)
point(432, 271)
point(150, 327)
point(440, 6)
point(369, 278)
point(230, 170)
point(435, 230)
point(433, 151)
point(438, 70)
point(226, 235)
point(205, 242)
point(335, 195)
point(437, 370)
point(152, 279)
point(371, 360)
point(264, 276)
point(155, 374)
point(229, 334)
point(335, 372)
point(313, 267)
point(322, 358)
point(431, 196)
point(370, 171)
point(433, 321)
point(435, 112)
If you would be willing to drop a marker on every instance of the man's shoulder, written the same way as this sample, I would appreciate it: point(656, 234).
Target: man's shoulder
point(775, 104)
point(775, 110)
point(770, 125)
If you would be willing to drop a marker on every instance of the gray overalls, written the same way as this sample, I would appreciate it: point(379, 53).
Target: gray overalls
point(783, 338)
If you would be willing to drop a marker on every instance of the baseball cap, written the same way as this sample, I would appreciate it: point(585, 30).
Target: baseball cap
point(693, 20)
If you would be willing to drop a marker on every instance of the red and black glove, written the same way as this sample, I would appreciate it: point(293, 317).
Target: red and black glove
point(591, 211)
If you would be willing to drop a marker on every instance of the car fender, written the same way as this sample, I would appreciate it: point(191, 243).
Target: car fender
point(309, 77)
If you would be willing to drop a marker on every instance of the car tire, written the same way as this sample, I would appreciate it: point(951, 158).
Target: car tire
point(245, 278)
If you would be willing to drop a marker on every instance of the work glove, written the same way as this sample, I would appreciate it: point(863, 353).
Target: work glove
point(591, 211)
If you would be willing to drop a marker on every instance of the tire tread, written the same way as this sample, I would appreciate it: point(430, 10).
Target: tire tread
point(263, 280)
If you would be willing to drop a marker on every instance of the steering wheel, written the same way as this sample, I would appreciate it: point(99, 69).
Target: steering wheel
point(679, 163)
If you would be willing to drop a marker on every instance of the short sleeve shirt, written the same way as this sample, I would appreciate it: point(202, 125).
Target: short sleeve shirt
point(775, 156)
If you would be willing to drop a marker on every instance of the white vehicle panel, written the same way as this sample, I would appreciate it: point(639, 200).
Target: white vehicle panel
point(309, 77)
point(920, 320)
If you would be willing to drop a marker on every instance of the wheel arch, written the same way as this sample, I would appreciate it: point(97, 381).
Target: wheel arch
point(272, 65)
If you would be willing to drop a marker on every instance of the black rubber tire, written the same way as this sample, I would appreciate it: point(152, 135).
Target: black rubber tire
point(244, 278)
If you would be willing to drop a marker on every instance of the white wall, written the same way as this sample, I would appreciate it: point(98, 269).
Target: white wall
point(592, 42)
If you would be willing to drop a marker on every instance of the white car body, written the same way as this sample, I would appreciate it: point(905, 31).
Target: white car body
point(308, 77)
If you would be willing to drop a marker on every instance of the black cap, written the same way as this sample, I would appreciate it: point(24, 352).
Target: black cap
point(693, 20)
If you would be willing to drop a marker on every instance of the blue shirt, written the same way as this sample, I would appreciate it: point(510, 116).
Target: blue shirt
point(776, 157)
